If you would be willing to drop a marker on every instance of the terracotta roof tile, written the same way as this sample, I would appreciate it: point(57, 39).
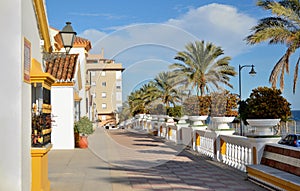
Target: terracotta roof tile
point(78, 42)
point(62, 68)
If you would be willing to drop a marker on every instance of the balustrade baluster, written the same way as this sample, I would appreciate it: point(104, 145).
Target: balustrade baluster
point(243, 158)
point(229, 153)
point(246, 155)
point(239, 157)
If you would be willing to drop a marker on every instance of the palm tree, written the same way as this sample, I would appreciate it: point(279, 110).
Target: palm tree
point(202, 68)
point(166, 89)
point(136, 102)
point(283, 28)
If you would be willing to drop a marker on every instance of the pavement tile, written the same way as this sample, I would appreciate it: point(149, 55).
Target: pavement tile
point(135, 161)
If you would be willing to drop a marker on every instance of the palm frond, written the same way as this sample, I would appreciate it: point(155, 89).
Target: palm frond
point(296, 75)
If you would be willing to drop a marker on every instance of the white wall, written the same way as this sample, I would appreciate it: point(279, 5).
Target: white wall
point(18, 21)
point(82, 94)
point(62, 101)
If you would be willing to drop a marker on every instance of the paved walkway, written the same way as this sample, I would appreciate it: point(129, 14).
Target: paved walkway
point(122, 160)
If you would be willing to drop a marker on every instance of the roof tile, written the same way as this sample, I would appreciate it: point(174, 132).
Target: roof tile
point(63, 68)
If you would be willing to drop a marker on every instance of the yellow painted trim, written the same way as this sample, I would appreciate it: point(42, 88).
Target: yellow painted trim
point(43, 23)
point(197, 139)
point(39, 169)
point(38, 76)
point(286, 185)
point(170, 131)
point(223, 147)
point(63, 84)
point(254, 151)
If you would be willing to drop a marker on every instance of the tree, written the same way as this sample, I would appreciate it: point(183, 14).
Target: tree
point(283, 28)
point(136, 102)
point(166, 89)
point(202, 67)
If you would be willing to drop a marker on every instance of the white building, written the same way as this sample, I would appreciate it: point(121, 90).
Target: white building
point(68, 95)
point(24, 24)
point(105, 77)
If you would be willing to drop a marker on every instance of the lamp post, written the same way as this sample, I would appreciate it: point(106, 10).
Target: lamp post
point(252, 73)
point(67, 36)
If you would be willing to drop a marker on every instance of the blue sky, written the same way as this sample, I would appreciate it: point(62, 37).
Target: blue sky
point(146, 35)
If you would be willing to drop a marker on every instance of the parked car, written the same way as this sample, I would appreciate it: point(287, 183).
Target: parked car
point(291, 139)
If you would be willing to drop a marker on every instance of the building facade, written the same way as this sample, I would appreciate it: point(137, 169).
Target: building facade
point(105, 79)
point(68, 95)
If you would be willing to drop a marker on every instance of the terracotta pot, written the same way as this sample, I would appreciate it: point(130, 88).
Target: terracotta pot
point(83, 142)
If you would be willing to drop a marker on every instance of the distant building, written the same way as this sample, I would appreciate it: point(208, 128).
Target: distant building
point(105, 79)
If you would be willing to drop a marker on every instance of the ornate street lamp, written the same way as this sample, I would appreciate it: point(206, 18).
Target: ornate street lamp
point(67, 35)
point(252, 73)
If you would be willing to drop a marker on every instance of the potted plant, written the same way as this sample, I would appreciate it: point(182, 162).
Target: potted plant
point(84, 127)
point(197, 108)
point(224, 109)
point(264, 109)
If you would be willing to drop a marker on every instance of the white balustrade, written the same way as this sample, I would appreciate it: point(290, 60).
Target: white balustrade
point(233, 150)
point(238, 151)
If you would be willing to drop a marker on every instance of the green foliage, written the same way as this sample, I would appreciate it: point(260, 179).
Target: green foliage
point(174, 111)
point(197, 105)
point(84, 126)
point(265, 103)
point(157, 109)
point(282, 27)
point(224, 104)
point(202, 66)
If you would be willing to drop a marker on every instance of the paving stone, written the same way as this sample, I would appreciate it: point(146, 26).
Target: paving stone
point(132, 160)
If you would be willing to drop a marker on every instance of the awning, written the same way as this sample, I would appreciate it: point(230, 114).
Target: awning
point(38, 76)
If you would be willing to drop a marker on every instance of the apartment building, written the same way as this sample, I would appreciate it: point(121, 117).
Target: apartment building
point(105, 79)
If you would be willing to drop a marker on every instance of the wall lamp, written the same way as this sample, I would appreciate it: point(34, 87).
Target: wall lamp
point(67, 36)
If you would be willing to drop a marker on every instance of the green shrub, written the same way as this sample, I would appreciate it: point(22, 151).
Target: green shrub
point(174, 111)
point(197, 105)
point(84, 126)
point(265, 103)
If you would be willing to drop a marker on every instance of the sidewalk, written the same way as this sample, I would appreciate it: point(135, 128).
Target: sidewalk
point(131, 160)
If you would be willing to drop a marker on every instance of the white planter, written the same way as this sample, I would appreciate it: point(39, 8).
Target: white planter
point(203, 127)
point(263, 126)
point(198, 120)
point(182, 120)
point(221, 122)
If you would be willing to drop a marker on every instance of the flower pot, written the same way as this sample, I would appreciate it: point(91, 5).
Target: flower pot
point(198, 120)
point(83, 142)
point(221, 122)
point(263, 126)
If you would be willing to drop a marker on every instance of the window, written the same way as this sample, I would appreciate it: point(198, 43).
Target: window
point(103, 95)
point(93, 83)
point(103, 73)
point(93, 73)
point(118, 84)
point(104, 106)
point(104, 84)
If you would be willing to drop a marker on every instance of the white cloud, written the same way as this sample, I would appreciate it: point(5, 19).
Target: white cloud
point(220, 24)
